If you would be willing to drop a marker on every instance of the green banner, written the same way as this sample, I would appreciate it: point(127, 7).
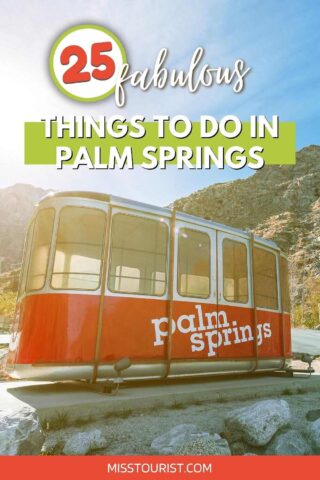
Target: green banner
point(40, 150)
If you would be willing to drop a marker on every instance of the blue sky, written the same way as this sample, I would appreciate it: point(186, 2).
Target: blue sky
point(279, 40)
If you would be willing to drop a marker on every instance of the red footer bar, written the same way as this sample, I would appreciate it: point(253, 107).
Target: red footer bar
point(166, 467)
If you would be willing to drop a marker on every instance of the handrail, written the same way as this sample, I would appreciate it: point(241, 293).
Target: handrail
point(170, 295)
point(254, 303)
point(102, 294)
point(283, 330)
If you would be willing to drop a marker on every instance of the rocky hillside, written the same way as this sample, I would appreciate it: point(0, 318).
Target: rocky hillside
point(16, 206)
point(278, 202)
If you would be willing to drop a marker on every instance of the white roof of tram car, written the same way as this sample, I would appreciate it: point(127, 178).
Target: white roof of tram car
point(164, 211)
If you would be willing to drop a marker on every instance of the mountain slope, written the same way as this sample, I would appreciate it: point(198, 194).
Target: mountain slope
point(281, 203)
point(16, 206)
point(278, 202)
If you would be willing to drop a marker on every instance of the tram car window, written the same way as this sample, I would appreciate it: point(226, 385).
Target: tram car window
point(39, 254)
point(25, 261)
point(193, 263)
point(138, 262)
point(265, 279)
point(235, 272)
point(79, 245)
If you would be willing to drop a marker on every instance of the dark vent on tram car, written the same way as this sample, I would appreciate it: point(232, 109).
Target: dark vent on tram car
point(102, 197)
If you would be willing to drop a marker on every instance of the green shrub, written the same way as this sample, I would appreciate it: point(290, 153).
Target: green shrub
point(7, 303)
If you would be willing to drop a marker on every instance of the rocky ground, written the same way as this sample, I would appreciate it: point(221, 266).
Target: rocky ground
point(286, 426)
point(271, 426)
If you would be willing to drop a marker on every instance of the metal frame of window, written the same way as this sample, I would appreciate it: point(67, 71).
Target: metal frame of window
point(226, 239)
point(29, 254)
point(277, 285)
point(110, 276)
point(101, 254)
point(178, 263)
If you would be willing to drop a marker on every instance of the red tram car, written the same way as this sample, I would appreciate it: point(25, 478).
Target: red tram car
point(105, 278)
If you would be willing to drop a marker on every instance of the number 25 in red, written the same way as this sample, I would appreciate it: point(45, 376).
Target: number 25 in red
point(76, 73)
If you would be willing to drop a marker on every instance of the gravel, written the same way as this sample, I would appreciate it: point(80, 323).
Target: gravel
point(132, 434)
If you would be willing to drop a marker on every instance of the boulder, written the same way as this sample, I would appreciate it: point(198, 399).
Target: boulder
point(206, 445)
point(82, 443)
point(53, 444)
point(257, 423)
point(3, 358)
point(20, 432)
point(315, 435)
point(238, 448)
point(289, 443)
point(313, 415)
point(171, 441)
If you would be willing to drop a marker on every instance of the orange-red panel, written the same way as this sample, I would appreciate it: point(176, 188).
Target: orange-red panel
point(61, 328)
point(58, 328)
point(128, 329)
